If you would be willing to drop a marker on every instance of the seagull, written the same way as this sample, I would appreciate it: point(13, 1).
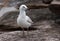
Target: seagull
point(23, 20)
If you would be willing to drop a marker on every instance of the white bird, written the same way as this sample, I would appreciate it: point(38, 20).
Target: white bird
point(23, 20)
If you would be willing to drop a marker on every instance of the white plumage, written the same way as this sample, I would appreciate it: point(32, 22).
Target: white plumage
point(23, 20)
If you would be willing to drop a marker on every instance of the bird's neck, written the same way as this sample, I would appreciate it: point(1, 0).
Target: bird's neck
point(22, 13)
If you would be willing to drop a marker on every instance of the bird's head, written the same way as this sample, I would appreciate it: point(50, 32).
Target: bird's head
point(23, 7)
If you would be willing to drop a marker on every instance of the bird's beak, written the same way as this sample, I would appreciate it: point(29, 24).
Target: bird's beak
point(28, 8)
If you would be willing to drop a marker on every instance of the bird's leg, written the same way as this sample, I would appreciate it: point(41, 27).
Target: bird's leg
point(27, 33)
point(23, 33)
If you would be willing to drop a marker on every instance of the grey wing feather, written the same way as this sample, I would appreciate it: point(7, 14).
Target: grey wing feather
point(29, 20)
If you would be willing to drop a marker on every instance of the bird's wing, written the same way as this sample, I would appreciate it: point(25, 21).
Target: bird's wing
point(29, 20)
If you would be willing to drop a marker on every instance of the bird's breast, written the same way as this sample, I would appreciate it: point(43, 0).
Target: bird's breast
point(23, 22)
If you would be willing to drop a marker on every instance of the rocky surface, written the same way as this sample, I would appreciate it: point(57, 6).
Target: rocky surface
point(44, 29)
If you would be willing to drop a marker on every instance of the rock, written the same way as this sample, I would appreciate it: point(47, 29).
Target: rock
point(45, 32)
point(55, 8)
point(11, 36)
point(47, 1)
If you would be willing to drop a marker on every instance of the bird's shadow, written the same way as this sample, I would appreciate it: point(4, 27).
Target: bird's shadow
point(2, 28)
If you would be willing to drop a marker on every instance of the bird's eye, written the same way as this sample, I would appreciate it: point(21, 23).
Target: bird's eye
point(23, 7)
